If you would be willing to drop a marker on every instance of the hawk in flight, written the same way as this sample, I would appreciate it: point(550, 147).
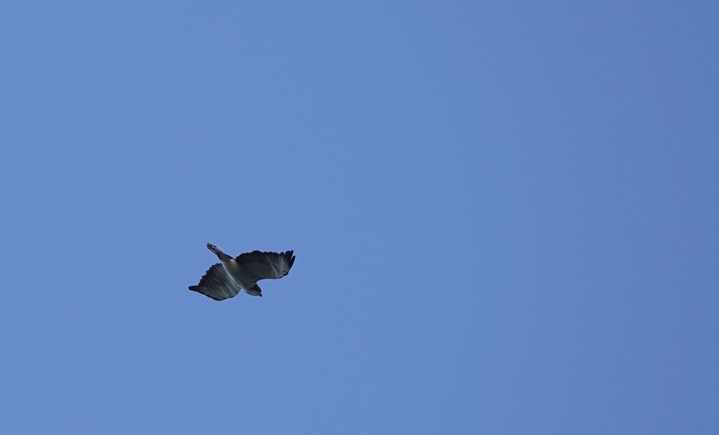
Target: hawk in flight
point(225, 279)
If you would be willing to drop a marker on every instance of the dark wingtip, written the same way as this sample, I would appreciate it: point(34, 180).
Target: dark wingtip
point(290, 255)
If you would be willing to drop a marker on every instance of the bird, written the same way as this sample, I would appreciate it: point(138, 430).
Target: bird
point(226, 278)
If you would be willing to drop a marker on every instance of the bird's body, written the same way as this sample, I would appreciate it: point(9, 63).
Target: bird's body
point(226, 278)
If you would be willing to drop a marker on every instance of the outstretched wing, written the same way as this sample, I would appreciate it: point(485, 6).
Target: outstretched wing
point(216, 284)
point(258, 265)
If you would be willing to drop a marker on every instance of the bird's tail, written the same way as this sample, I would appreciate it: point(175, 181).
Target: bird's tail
point(217, 251)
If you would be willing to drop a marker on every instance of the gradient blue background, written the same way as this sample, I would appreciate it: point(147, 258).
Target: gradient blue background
point(504, 216)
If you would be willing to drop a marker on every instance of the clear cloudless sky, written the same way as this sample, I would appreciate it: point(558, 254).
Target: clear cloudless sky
point(504, 216)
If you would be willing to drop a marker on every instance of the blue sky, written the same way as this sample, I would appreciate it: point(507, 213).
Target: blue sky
point(504, 216)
